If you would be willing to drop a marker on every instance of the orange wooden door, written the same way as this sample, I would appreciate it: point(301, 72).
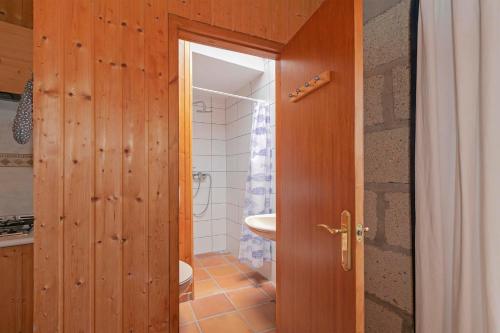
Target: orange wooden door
point(320, 174)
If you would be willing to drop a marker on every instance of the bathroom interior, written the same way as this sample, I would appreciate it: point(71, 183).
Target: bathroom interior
point(231, 271)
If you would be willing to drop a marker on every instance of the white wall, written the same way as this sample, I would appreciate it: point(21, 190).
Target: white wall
point(16, 192)
point(238, 128)
point(209, 155)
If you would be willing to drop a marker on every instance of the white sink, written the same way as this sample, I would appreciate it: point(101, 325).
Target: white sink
point(263, 225)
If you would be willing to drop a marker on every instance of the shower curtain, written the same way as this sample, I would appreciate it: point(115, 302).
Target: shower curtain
point(458, 167)
point(254, 250)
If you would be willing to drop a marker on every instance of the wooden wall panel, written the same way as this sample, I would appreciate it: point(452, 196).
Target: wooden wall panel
point(48, 141)
point(108, 169)
point(19, 12)
point(107, 151)
point(16, 57)
point(27, 287)
point(78, 166)
point(10, 289)
point(222, 15)
point(16, 289)
point(156, 33)
point(276, 20)
point(135, 172)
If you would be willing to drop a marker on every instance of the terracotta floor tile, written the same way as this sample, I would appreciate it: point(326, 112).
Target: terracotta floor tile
point(262, 317)
point(189, 328)
point(215, 260)
point(231, 258)
point(270, 289)
point(243, 267)
point(200, 274)
point(247, 297)
point(197, 263)
point(223, 270)
point(215, 312)
point(233, 281)
point(211, 305)
point(205, 288)
point(185, 313)
point(228, 323)
point(206, 255)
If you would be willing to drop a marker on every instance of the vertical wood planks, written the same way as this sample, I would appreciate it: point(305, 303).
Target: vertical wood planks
point(108, 166)
point(261, 18)
point(201, 10)
point(222, 13)
point(107, 149)
point(156, 34)
point(11, 289)
point(48, 141)
point(135, 171)
point(28, 13)
point(27, 288)
point(19, 12)
point(16, 289)
point(180, 7)
point(242, 16)
point(276, 20)
point(279, 13)
point(78, 167)
point(16, 57)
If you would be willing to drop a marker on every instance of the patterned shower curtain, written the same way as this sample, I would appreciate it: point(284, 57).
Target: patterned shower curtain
point(254, 250)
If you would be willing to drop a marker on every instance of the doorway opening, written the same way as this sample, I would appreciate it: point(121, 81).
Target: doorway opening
point(227, 172)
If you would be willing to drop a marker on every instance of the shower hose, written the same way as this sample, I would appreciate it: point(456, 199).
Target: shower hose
point(198, 176)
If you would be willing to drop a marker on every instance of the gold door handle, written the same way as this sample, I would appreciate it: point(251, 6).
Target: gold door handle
point(331, 230)
point(345, 232)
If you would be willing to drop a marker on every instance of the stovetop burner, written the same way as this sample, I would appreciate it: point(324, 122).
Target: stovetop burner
point(20, 224)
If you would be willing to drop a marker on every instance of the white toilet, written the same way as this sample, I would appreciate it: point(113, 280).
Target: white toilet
point(185, 276)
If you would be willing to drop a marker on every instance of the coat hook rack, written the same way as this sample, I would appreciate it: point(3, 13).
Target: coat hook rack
point(315, 83)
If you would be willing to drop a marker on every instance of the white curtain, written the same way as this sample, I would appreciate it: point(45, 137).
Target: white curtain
point(458, 167)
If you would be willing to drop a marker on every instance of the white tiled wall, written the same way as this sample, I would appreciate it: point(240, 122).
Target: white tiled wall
point(221, 142)
point(209, 156)
point(238, 128)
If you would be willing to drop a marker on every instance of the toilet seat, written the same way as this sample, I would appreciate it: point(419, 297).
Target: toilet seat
point(185, 274)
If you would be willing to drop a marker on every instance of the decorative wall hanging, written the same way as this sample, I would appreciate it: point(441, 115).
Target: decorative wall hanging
point(23, 122)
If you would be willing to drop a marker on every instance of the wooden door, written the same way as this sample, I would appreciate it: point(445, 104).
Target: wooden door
point(320, 174)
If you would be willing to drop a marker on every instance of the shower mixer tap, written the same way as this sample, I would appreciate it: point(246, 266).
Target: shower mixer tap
point(199, 176)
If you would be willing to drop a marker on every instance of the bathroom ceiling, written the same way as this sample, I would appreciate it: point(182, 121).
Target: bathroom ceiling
point(211, 72)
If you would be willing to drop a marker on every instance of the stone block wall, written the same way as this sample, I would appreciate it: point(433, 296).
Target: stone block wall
point(389, 39)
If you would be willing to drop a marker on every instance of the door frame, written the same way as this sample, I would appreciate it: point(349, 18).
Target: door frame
point(180, 28)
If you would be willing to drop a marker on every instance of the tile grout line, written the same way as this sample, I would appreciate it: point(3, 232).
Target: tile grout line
point(225, 292)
